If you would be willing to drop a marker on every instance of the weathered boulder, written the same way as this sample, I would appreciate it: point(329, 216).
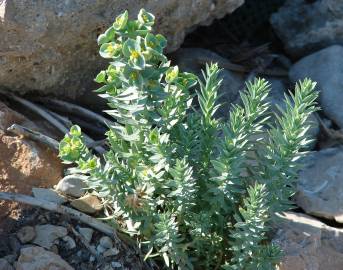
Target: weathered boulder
point(307, 26)
point(23, 163)
point(308, 244)
point(326, 68)
point(37, 258)
point(320, 184)
point(50, 46)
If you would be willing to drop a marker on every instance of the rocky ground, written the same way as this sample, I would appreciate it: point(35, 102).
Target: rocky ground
point(284, 42)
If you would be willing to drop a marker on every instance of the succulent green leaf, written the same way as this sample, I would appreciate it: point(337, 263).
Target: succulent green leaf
point(121, 21)
point(146, 18)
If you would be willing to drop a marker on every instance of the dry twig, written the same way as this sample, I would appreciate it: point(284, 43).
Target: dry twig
point(74, 214)
point(78, 110)
point(34, 135)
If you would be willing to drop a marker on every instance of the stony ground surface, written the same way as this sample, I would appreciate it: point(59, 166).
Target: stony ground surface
point(311, 235)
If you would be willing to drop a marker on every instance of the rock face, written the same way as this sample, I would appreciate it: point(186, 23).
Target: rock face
point(308, 244)
point(193, 59)
point(37, 258)
point(307, 26)
point(326, 68)
point(50, 46)
point(320, 184)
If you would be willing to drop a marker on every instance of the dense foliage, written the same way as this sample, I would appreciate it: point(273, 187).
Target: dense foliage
point(195, 190)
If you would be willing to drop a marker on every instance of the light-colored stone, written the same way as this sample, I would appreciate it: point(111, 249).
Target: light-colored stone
point(308, 244)
point(111, 252)
point(106, 242)
point(4, 265)
point(48, 195)
point(47, 234)
point(87, 233)
point(89, 204)
point(100, 249)
point(69, 242)
point(72, 185)
point(326, 68)
point(50, 46)
point(306, 26)
point(193, 59)
point(26, 234)
point(37, 258)
point(320, 184)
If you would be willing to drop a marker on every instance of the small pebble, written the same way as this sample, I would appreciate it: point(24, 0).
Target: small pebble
point(87, 233)
point(54, 249)
point(91, 258)
point(26, 234)
point(100, 249)
point(106, 242)
point(69, 242)
point(116, 264)
point(11, 258)
point(111, 252)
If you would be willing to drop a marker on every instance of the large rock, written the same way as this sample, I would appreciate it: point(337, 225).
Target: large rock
point(37, 258)
point(320, 184)
point(308, 244)
point(305, 26)
point(23, 163)
point(194, 59)
point(50, 46)
point(326, 68)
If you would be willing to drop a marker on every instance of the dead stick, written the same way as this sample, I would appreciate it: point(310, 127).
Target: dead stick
point(41, 112)
point(73, 108)
point(52, 120)
point(34, 135)
point(96, 224)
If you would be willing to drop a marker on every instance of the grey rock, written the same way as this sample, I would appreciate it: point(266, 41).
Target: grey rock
point(320, 184)
point(10, 258)
point(305, 26)
point(89, 204)
point(37, 258)
point(116, 264)
point(100, 249)
point(111, 252)
point(51, 46)
point(48, 195)
point(106, 242)
point(308, 244)
point(326, 68)
point(47, 234)
point(4, 265)
point(26, 234)
point(87, 233)
point(72, 185)
point(69, 242)
point(192, 59)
